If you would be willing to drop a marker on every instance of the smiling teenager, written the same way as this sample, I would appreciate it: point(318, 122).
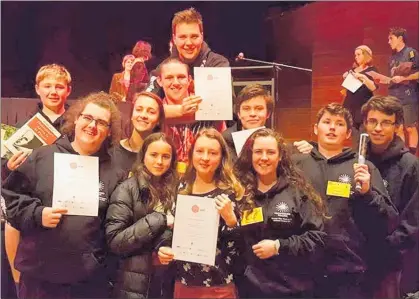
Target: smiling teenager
point(140, 217)
point(394, 270)
point(147, 117)
point(210, 174)
point(359, 219)
point(53, 86)
point(281, 245)
point(59, 255)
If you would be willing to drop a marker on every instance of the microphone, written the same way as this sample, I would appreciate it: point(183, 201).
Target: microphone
point(278, 65)
point(239, 57)
point(362, 152)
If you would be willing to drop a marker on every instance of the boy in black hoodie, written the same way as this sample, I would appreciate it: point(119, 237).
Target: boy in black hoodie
point(358, 218)
point(53, 86)
point(382, 117)
point(62, 256)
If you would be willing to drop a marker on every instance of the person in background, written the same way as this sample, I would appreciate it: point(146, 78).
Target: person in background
point(354, 100)
point(253, 106)
point(282, 246)
point(65, 256)
point(394, 267)
point(139, 77)
point(210, 175)
point(357, 202)
point(139, 215)
point(121, 81)
point(53, 86)
point(147, 117)
point(404, 72)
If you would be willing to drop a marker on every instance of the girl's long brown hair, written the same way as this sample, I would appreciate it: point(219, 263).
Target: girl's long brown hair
point(224, 176)
point(162, 189)
point(248, 177)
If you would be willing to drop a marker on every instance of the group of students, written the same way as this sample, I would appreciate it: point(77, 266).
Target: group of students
point(292, 223)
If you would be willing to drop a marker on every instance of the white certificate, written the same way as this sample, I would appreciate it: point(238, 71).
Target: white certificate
point(195, 230)
point(240, 137)
point(351, 83)
point(76, 184)
point(214, 85)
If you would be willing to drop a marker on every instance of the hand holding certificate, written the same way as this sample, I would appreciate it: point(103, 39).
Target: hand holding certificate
point(195, 232)
point(76, 184)
point(351, 83)
point(213, 84)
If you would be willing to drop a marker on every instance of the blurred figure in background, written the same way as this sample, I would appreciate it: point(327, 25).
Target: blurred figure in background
point(121, 81)
point(139, 75)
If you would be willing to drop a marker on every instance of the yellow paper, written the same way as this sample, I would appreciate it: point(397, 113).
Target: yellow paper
point(338, 189)
point(252, 216)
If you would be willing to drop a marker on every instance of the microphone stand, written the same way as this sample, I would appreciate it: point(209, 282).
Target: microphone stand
point(276, 64)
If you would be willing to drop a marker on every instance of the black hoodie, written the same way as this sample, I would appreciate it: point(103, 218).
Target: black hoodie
point(290, 217)
point(76, 248)
point(400, 171)
point(355, 221)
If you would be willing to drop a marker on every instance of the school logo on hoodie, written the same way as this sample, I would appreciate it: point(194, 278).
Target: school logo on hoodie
point(282, 213)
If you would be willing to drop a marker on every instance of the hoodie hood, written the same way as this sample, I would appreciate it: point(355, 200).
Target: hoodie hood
point(345, 155)
point(280, 185)
point(200, 60)
point(395, 150)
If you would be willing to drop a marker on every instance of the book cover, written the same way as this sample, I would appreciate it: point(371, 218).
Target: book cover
point(34, 133)
point(6, 132)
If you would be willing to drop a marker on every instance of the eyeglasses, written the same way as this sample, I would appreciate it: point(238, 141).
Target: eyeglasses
point(99, 122)
point(385, 124)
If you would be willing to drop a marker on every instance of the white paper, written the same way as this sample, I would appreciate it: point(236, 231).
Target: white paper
point(351, 83)
point(240, 137)
point(76, 184)
point(213, 84)
point(195, 230)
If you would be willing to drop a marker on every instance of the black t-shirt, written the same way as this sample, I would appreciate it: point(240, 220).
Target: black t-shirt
point(404, 63)
point(354, 100)
point(123, 158)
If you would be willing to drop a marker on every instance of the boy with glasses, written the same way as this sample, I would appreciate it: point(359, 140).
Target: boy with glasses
point(383, 115)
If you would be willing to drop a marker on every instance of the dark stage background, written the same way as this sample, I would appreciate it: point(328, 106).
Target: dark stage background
point(90, 38)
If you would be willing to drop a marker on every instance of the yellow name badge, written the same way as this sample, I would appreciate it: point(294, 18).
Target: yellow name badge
point(338, 189)
point(252, 216)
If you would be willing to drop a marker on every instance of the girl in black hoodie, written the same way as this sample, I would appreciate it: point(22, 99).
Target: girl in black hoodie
point(281, 223)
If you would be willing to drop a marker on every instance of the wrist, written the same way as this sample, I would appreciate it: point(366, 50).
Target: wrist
point(231, 221)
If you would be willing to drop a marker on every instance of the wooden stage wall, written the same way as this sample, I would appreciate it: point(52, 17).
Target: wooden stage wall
point(323, 36)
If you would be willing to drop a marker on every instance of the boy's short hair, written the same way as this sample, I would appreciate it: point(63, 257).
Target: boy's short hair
point(252, 91)
point(57, 71)
point(188, 16)
point(336, 109)
point(170, 60)
point(388, 105)
point(398, 31)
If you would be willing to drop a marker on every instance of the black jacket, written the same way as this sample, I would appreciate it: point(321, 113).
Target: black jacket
point(356, 222)
point(400, 171)
point(290, 217)
point(74, 250)
point(133, 234)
